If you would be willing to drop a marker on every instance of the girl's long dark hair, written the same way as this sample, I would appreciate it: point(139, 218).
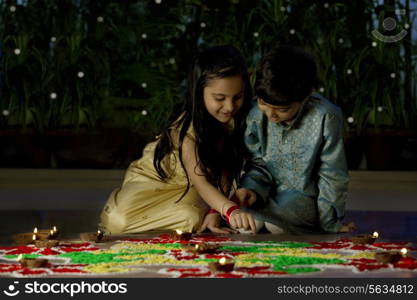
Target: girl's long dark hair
point(218, 150)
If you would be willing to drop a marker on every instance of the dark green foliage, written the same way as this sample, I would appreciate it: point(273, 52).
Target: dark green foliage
point(127, 73)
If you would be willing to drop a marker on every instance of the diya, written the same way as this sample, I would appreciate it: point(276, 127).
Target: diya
point(32, 262)
point(365, 239)
point(46, 243)
point(23, 238)
point(56, 231)
point(223, 265)
point(390, 257)
point(95, 237)
point(29, 237)
point(181, 236)
point(44, 234)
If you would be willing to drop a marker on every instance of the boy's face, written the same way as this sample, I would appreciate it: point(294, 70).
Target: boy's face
point(279, 113)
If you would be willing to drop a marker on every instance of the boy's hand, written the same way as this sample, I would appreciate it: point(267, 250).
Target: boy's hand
point(242, 220)
point(244, 197)
point(348, 227)
point(212, 222)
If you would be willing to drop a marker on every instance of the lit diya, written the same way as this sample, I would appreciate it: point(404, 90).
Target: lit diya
point(200, 248)
point(364, 239)
point(32, 262)
point(181, 236)
point(23, 238)
point(223, 265)
point(26, 237)
point(45, 243)
point(45, 234)
point(92, 236)
point(56, 231)
point(390, 257)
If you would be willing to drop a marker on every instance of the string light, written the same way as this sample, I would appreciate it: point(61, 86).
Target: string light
point(53, 95)
point(341, 41)
point(158, 1)
point(12, 8)
point(283, 8)
point(203, 25)
point(292, 31)
point(406, 26)
point(144, 35)
point(380, 108)
point(256, 34)
point(172, 60)
point(350, 120)
point(374, 44)
point(5, 112)
point(321, 90)
point(53, 39)
point(80, 74)
point(17, 51)
point(144, 112)
point(144, 85)
point(349, 71)
point(100, 19)
point(326, 5)
point(392, 75)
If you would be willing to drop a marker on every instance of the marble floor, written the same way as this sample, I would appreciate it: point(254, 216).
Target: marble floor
point(391, 225)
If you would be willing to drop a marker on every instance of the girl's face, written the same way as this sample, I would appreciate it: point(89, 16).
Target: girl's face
point(223, 97)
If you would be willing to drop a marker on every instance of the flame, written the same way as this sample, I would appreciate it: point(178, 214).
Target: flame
point(403, 251)
point(20, 257)
point(54, 229)
point(375, 235)
point(178, 231)
point(197, 246)
point(98, 232)
point(35, 231)
point(52, 232)
point(34, 237)
point(222, 260)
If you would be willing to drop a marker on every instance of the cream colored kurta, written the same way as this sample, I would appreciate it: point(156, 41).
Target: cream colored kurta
point(145, 202)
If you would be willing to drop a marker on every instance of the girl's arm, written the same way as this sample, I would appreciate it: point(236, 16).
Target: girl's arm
point(210, 194)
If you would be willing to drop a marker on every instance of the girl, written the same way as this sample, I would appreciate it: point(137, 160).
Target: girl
point(196, 157)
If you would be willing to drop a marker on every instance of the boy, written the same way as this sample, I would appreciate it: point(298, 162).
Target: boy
point(296, 179)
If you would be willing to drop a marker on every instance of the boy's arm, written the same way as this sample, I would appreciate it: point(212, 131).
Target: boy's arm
point(257, 177)
point(333, 175)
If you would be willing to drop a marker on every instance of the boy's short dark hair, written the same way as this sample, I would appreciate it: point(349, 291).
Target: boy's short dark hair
point(286, 75)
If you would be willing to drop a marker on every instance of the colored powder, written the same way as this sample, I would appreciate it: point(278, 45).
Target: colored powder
point(96, 258)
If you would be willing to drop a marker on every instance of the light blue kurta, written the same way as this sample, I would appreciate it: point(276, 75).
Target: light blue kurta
point(298, 171)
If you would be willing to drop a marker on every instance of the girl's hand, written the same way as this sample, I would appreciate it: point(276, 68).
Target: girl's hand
point(244, 197)
point(348, 227)
point(240, 219)
point(212, 222)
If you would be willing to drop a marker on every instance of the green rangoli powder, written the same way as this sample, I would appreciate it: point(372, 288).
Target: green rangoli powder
point(12, 256)
point(97, 258)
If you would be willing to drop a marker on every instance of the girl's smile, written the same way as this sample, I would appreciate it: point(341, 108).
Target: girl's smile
point(223, 97)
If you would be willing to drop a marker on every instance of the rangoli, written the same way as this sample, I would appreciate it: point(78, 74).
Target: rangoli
point(167, 258)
